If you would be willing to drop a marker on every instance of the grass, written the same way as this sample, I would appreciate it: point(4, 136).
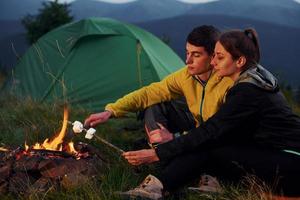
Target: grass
point(33, 122)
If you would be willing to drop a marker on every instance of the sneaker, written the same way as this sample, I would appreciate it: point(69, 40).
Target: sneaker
point(150, 188)
point(208, 184)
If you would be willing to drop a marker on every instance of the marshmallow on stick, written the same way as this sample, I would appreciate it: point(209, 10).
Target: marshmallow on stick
point(90, 133)
point(77, 127)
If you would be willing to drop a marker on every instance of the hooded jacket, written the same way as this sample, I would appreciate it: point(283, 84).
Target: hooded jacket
point(255, 112)
point(203, 100)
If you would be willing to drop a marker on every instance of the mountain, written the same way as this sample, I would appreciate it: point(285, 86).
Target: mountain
point(141, 10)
point(279, 44)
point(137, 11)
point(285, 12)
point(16, 9)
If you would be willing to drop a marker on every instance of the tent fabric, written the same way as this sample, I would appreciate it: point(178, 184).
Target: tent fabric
point(92, 62)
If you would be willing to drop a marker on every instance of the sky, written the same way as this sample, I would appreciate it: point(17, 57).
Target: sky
point(126, 1)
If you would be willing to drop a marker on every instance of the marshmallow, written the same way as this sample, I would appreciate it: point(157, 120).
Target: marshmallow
point(77, 127)
point(90, 133)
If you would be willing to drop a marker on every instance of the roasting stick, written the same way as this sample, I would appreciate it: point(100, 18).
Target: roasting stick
point(109, 144)
point(90, 133)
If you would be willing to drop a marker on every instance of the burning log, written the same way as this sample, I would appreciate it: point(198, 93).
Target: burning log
point(60, 167)
point(26, 163)
point(49, 153)
point(27, 172)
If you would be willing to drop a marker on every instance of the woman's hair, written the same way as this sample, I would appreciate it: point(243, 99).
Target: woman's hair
point(242, 43)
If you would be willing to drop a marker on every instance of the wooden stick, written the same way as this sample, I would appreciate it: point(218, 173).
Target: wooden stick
point(109, 144)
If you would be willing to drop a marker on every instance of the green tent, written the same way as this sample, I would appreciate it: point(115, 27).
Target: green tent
point(92, 62)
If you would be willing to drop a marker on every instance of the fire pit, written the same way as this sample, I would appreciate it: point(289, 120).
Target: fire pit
point(48, 166)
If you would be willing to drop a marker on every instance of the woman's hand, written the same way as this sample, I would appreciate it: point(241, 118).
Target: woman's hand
point(97, 118)
point(160, 136)
point(144, 156)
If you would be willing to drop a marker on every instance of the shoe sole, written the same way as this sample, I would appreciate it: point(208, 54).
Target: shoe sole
point(125, 195)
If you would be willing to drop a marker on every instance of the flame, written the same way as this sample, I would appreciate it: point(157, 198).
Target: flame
point(55, 144)
point(3, 149)
point(26, 146)
point(71, 148)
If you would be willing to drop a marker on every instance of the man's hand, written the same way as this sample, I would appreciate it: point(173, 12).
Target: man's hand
point(97, 118)
point(161, 135)
point(144, 156)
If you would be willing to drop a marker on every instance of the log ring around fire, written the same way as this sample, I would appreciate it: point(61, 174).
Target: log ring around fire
point(43, 170)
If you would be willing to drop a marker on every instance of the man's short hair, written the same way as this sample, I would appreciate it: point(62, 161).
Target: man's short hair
point(204, 36)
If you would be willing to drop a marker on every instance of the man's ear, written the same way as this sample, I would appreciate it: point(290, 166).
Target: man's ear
point(241, 61)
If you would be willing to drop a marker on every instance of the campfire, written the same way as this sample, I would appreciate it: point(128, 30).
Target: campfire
point(50, 165)
point(57, 143)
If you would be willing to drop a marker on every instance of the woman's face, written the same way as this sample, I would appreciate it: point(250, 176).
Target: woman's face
point(224, 64)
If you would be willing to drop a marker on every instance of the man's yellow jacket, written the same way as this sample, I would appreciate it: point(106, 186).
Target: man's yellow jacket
point(203, 99)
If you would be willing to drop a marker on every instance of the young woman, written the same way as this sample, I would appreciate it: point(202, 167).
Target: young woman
point(254, 132)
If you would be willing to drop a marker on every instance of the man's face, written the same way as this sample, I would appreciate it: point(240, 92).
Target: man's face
point(197, 59)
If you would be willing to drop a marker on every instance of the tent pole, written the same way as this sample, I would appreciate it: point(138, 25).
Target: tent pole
point(139, 70)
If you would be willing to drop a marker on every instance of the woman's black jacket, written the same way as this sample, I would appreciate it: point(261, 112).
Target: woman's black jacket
point(255, 112)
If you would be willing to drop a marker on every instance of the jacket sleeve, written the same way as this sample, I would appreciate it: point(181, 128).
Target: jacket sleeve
point(165, 90)
point(240, 107)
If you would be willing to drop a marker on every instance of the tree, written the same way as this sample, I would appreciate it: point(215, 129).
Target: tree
point(3, 75)
point(50, 16)
point(297, 96)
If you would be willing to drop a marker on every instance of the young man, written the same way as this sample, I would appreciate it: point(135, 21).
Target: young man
point(203, 91)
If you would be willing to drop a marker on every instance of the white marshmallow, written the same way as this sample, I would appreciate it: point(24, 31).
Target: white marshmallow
point(90, 133)
point(77, 127)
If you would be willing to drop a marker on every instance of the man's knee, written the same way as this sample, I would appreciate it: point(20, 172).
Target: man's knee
point(156, 113)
